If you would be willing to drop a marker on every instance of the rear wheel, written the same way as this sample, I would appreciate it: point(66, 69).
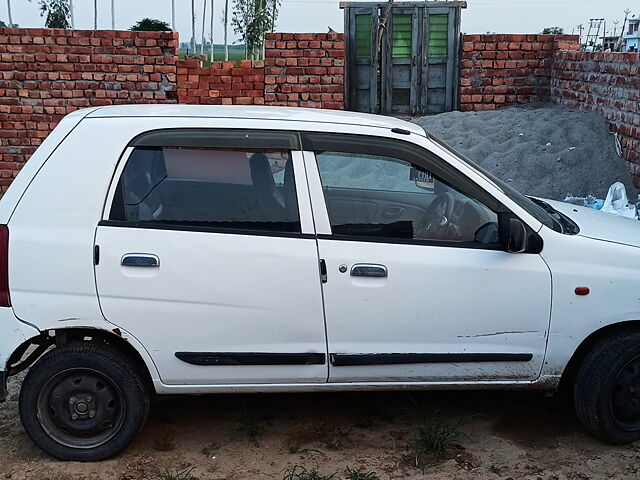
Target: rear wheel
point(83, 402)
point(607, 389)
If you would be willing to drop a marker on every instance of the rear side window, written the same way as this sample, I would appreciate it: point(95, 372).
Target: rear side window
point(208, 186)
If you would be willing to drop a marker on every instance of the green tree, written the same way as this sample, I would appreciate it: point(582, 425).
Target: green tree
point(2, 24)
point(553, 31)
point(57, 13)
point(150, 25)
point(251, 20)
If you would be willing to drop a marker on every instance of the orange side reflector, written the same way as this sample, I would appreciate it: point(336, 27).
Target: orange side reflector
point(582, 291)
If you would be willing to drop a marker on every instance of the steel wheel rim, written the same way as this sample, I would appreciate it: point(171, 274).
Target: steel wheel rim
point(81, 408)
point(625, 397)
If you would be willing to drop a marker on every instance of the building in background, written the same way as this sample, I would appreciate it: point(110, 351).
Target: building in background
point(632, 36)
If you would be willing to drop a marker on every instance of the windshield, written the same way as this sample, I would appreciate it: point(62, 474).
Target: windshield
point(530, 207)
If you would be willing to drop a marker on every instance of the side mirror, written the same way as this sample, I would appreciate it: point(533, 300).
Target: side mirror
point(517, 236)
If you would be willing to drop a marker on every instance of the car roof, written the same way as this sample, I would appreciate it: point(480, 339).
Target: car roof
point(256, 112)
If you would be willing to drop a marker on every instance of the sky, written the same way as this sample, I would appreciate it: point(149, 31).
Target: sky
point(481, 16)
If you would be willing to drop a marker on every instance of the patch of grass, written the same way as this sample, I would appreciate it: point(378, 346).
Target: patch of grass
point(360, 475)
point(493, 468)
point(185, 475)
point(433, 436)
point(236, 54)
point(253, 424)
point(293, 446)
point(298, 472)
point(333, 437)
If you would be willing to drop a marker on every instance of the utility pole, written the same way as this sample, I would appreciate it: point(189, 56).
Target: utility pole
point(173, 15)
point(226, 31)
point(615, 26)
point(113, 14)
point(580, 29)
point(212, 48)
point(10, 16)
point(624, 23)
point(193, 26)
point(273, 16)
point(592, 39)
point(73, 23)
point(95, 14)
point(204, 17)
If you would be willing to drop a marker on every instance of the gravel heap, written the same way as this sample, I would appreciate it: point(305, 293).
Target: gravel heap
point(542, 149)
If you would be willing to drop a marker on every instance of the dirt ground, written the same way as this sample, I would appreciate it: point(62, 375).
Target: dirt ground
point(503, 435)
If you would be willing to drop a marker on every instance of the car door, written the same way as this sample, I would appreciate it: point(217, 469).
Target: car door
point(207, 255)
point(425, 293)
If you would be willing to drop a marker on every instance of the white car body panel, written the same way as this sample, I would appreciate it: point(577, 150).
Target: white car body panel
point(601, 225)
point(609, 268)
point(19, 185)
point(438, 300)
point(215, 293)
point(12, 334)
point(54, 206)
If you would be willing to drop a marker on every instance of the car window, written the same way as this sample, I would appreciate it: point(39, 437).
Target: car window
point(370, 195)
point(248, 189)
point(530, 206)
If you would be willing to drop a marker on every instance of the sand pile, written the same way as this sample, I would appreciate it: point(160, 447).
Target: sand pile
point(543, 150)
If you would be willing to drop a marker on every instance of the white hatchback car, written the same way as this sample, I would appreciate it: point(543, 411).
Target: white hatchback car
point(182, 249)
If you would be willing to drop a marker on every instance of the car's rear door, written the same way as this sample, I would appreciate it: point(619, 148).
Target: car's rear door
point(418, 287)
point(207, 255)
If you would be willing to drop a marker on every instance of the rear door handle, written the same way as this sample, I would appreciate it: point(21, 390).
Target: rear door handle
point(369, 270)
point(140, 260)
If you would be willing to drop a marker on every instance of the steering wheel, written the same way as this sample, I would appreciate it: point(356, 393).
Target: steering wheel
point(436, 217)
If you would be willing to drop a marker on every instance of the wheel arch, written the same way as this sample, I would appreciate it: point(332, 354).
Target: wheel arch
point(115, 339)
point(571, 369)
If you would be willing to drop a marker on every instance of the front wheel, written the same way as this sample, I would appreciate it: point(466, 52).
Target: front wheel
point(607, 389)
point(83, 402)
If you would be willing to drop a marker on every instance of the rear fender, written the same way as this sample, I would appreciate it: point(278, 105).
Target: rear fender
point(13, 333)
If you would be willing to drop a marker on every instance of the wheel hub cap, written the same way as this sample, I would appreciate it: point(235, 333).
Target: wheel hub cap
point(625, 399)
point(81, 408)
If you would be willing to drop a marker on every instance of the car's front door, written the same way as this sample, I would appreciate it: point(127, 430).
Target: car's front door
point(417, 286)
point(207, 256)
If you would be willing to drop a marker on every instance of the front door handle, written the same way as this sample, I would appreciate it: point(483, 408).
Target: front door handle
point(140, 260)
point(369, 270)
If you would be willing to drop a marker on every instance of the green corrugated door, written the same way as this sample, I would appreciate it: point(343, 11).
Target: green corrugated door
point(438, 36)
point(402, 36)
point(364, 24)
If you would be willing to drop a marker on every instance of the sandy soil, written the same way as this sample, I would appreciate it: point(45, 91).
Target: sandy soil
point(508, 435)
point(541, 149)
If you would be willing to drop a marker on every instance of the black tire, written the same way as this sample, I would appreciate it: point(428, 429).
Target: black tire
point(607, 389)
point(83, 402)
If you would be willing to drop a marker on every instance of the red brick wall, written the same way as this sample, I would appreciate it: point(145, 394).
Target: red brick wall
point(45, 74)
point(224, 83)
point(305, 70)
point(48, 73)
point(496, 70)
point(607, 83)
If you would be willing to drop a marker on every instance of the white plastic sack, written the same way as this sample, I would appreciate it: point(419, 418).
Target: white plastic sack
point(617, 202)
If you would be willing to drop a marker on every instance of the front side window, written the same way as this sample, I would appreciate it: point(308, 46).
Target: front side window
point(371, 195)
point(243, 188)
point(532, 208)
